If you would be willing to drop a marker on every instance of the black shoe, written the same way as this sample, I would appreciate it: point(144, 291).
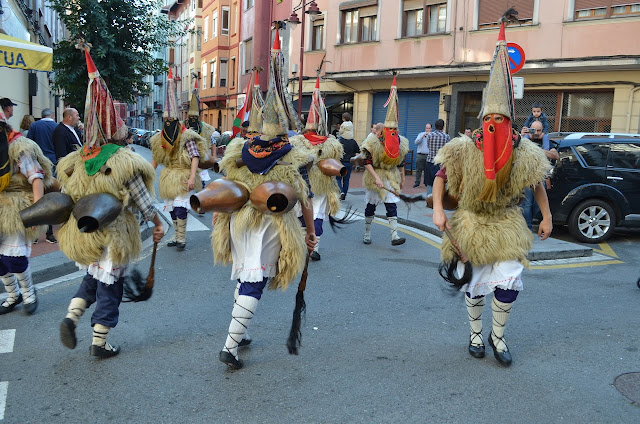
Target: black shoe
point(51, 239)
point(172, 243)
point(315, 256)
point(9, 308)
point(343, 196)
point(35, 241)
point(30, 308)
point(416, 185)
point(106, 351)
point(230, 360)
point(68, 333)
point(476, 351)
point(180, 246)
point(366, 240)
point(398, 241)
point(503, 357)
point(244, 342)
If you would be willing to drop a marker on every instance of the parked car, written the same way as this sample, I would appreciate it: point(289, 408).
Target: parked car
point(595, 184)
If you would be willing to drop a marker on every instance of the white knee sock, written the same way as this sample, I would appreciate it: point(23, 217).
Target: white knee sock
point(76, 309)
point(500, 316)
point(315, 249)
point(243, 310)
point(367, 226)
point(474, 310)
point(11, 286)
point(393, 223)
point(28, 291)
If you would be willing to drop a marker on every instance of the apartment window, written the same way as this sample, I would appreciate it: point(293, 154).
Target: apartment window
point(204, 75)
point(360, 24)
point(223, 72)
point(490, 11)
point(214, 24)
point(413, 18)
point(198, 39)
point(586, 9)
point(437, 18)
point(248, 4)
point(317, 34)
point(206, 29)
point(248, 56)
point(233, 72)
point(225, 21)
point(213, 73)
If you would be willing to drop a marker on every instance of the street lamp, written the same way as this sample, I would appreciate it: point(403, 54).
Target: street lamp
point(293, 21)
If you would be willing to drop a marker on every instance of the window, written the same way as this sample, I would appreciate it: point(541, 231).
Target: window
point(437, 18)
point(594, 154)
point(248, 4)
point(206, 29)
point(586, 9)
point(424, 17)
point(204, 75)
point(490, 11)
point(225, 21)
point(624, 155)
point(213, 73)
point(248, 56)
point(223, 72)
point(233, 72)
point(198, 39)
point(360, 25)
point(413, 22)
point(317, 34)
point(214, 24)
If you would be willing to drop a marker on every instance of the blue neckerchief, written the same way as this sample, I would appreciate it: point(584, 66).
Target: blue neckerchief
point(263, 165)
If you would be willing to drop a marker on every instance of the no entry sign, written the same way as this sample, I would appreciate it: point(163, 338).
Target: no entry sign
point(516, 57)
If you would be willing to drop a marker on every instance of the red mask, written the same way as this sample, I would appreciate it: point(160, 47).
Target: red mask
point(497, 143)
point(391, 142)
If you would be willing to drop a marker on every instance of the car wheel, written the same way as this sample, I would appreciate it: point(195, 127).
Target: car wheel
point(592, 221)
point(638, 283)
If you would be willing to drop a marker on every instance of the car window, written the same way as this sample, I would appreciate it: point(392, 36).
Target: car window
point(594, 154)
point(624, 155)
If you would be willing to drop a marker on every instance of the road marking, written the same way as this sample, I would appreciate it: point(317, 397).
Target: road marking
point(192, 224)
point(605, 249)
point(6, 340)
point(4, 386)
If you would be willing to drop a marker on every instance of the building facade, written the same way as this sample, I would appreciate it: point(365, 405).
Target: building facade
point(36, 22)
point(582, 60)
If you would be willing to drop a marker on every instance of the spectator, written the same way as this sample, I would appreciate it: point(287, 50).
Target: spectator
point(7, 107)
point(351, 149)
point(80, 131)
point(537, 135)
point(345, 129)
point(435, 141)
point(65, 137)
point(537, 115)
point(42, 133)
point(422, 153)
point(27, 120)
point(467, 132)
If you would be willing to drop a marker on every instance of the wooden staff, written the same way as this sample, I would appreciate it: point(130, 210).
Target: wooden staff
point(295, 335)
point(135, 290)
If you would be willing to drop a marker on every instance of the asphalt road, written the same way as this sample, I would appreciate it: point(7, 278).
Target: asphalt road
point(383, 341)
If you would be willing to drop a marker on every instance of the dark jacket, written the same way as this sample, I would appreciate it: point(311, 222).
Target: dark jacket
point(64, 142)
point(350, 148)
point(42, 133)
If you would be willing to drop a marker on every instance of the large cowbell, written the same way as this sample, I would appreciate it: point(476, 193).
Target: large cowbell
point(96, 211)
point(52, 209)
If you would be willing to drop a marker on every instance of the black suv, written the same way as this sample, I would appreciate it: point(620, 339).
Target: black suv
point(595, 183)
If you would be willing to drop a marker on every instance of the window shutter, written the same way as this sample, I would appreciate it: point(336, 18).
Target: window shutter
point(592, 4)
point(491, 10)
point(432, 2)
point(524, 8)
point(355, 4)
point(413, 4)
point(368, 11)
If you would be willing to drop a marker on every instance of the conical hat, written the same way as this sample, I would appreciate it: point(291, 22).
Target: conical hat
point(498, 94)
point(317, 119)
point(255, 113)
point(194, 105)
point(391, 120)
point(170, 104)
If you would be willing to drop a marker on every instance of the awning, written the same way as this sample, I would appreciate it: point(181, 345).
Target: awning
point(330, 100)
point(20, 54)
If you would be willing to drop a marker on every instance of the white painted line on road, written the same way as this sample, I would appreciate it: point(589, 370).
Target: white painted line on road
point(6, 340)
point(58, 280)
point(4, 386)
point(192, 224)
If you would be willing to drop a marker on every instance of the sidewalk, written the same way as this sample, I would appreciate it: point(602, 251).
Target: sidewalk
point(419, 216)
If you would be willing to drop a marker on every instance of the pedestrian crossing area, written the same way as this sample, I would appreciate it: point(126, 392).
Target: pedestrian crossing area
point(193, 224)
point(7, 338)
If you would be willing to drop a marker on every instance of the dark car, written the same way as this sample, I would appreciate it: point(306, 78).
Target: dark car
point(595, 184)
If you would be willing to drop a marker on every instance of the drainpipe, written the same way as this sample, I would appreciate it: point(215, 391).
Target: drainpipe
point(630, 106)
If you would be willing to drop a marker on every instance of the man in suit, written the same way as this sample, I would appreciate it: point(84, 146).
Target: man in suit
point(65, 138)
point(42, 133)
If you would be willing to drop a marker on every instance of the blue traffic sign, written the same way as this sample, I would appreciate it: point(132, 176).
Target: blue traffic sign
point(516, 57)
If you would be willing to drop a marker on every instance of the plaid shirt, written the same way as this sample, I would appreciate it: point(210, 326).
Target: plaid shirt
point(141, 197)
point(304, 173)
point(435, 140)
point(192, 149)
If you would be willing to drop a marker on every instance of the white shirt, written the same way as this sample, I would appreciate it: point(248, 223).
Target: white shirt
point(423, 148)
point(74, 133)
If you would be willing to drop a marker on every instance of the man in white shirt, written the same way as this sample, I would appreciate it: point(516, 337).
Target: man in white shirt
point(422, 151)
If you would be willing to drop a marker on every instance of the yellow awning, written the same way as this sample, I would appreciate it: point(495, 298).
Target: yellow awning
point(20, 54)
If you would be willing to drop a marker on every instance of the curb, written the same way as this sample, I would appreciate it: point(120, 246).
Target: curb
point(572, 250)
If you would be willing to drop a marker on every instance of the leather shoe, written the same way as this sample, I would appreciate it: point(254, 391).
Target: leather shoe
point(244, 342)
point(106, 351)
point(343, 196)
point(7, 309)
point(476, 351)
point(30, 308)
point(180, 246)
point(315, 256)
point(68, 333)
point(172, 243)
point(398, 241)
point(416, 185)
point(366, 240)
point(503, 357)
point(230, 360)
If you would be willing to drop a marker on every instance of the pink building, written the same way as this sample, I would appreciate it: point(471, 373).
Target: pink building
point(582, 60)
